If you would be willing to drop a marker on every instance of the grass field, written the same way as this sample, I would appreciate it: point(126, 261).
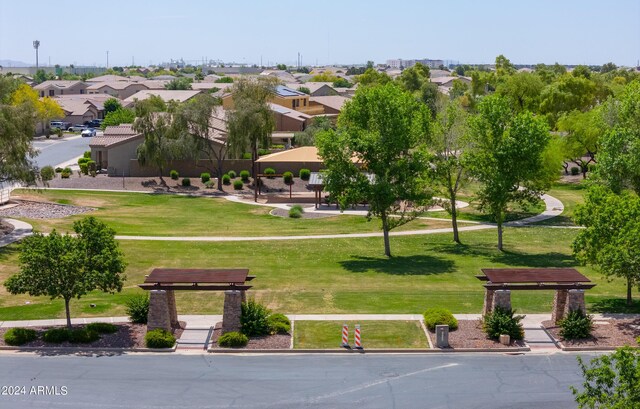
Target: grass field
point(374, 334)
point(172, 215)
point(340, 275)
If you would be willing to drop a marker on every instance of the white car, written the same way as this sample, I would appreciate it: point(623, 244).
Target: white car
point(89, 132)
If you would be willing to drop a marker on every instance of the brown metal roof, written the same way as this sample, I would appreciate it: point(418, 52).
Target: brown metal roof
point(198, 275)
point(533, 275)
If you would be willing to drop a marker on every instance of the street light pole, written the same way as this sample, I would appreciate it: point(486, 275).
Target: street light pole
point(107, 59)
point(36, 44)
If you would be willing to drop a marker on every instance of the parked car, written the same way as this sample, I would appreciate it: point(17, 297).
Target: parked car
point(89, 132)
point(94, 123)
point(77, 128)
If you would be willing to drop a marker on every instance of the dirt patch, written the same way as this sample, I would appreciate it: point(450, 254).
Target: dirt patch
point(606, 333)
point(277, 341)
point(470, 335)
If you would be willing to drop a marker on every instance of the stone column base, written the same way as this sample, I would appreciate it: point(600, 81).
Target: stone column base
point(502, 299)
point(559, 303)
point(232, 311)
point(488, 302)
point(158, 316)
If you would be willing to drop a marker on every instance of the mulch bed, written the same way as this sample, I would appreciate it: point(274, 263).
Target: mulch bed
point(267, 342)
point(606, 333)
point(129, 335)
point(470, 335)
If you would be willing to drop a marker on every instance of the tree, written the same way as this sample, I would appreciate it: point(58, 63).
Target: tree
point(308, 136)
point(449, 171)
point(342, 83)
point(162, 141)
point(111, 105)
point(458, 89)
point(581, 71)
point(195, 118)
point(504, 66)
point(250, 122)
point(567, 94)
point(507, 157)
point(523, 89)
point(17, 127)
point(385, 129)
point(373, 77)
point(282, 67)
point(583, 131)
point(610, 381)
point(118, 117)
point(611, 239)
point(42, 76)
point(608, 67)
point(45, 108)
point(65, 266)
point(412, 79)
point(182, 83)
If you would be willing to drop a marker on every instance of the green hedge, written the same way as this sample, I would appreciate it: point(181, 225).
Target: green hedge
point(576, 325)
point(174, 175)
point(138, 308)
point(56, 335)
point(232, 174)
point(226, 180)
point(439, 316)
point(287, 177)
point(205, 177)
point(502, 321)
point(159, 338)
point(47, 173)
point(238, 185)
point(233, 340)
point(270, 171)
point(19, 336)
point(102, 327)
point(304, 174)
point(244, 175)
point(278, 324)
point(186, 182)
point(254, 319)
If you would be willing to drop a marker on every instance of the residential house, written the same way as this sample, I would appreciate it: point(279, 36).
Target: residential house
point(331, 104)
point(288, 119)
point(317, 89)
point(118, 89)
point(115, 149)
point(79, 109)
point(165, 94)
point(53, 88)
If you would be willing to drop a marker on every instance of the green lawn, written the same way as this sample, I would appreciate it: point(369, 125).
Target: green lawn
point(374, 334)
point(173, 215)
point(571, 195)
point(340, 275)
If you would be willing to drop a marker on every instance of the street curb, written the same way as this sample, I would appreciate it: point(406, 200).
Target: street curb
point(86, 349)
point(362, 351)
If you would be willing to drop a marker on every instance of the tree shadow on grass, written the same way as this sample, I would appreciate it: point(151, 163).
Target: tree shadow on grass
point(403, 265)
point(615, 306)
point(507, 257)
point(9, 251)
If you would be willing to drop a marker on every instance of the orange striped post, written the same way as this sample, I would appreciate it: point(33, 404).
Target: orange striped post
point(357, 339)
point(345, 335)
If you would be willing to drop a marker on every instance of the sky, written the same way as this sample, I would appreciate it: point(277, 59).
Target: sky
point(324, 31)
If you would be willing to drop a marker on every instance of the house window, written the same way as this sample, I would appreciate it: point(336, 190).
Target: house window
point(81, 91)
point(51, 92)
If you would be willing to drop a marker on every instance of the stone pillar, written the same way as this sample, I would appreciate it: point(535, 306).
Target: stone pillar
point(502, 299)
point(488, 301)
point(559, 303)
point(575, 301)
point(158, 316)
point(232, 311)
point(173, 311)
point(442, 336)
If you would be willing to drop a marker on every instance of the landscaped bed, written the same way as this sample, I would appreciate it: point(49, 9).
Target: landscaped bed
point(374, 334)
point(127, 336)
point(606, 333)
point(470, 335)
point(277, 341)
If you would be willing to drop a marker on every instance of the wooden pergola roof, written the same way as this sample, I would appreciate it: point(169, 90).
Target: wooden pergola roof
point(534, 279)
point(193, 278)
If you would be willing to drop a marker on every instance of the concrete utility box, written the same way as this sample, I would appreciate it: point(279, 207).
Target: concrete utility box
point(442, 336)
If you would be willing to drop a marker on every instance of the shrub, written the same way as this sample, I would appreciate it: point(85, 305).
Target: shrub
point(91, 165)
point(102, 327)
point(233, 340)
point(270, 171)
point(502, 321)
point(59, 170)
point(84, 168)
point(83, 160)
point(174, 175)
point(262, 152)
point(304, 174)
point(226, 179)
point(159, 338)
point(244, 175)
point(238, 185)
point(66, 173)
point(296, 211)
point(253, 319)
point(246, 155)
point(56, 335)
point(47, 173)
point(205, 177)
point(575, 170)
point(439, 316)
point(186, 182)
point(279, 324)
point(232, 174)
point(83, 336)
point(576, 325)
point(19, 336)
point(138, 308)
point(87, 154)
point(287, 177)
point(209, 184)
point(592, 167)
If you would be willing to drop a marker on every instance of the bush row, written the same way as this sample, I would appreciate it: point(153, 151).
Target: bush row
point(86, 335)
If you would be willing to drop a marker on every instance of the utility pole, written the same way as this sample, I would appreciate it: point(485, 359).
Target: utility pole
point(107, 59)
point(36, 45)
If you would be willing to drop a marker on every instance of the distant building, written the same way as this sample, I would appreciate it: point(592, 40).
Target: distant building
point(60, 87)
point(400, 63)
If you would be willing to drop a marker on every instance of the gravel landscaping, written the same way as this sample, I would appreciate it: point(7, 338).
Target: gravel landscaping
point(470, 335)
point(606, 333)
point(42, 210)
point(267, 342)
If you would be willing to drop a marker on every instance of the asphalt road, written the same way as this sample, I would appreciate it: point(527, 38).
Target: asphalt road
point(291, 381)
point(54, 151)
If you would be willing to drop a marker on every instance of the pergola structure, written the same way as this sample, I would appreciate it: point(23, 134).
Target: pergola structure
point(568, 283)
point(162, 282)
